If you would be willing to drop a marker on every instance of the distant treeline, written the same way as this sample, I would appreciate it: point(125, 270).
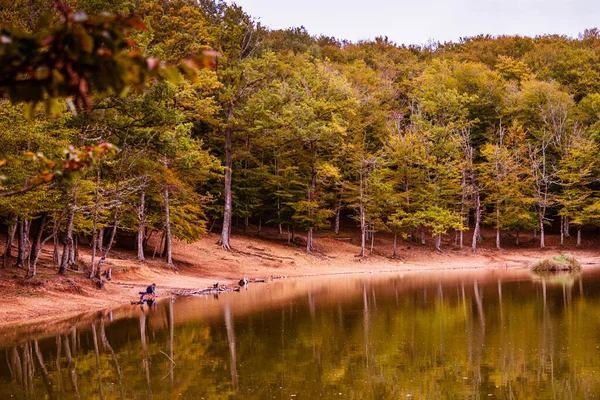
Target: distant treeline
point(296, 131)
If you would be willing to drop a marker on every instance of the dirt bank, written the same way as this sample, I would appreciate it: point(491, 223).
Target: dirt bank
point(50, 298)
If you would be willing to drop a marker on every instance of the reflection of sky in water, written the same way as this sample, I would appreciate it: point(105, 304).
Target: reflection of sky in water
point(491, 334)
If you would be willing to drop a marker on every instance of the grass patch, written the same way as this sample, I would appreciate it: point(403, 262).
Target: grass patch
point(561, 262)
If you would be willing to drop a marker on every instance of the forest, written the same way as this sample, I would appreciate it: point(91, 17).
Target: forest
point(282, 129)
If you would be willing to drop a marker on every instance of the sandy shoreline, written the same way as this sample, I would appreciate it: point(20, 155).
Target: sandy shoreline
point(52, 299)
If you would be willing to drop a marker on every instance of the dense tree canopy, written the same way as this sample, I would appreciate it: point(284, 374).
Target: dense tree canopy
point(287, 129)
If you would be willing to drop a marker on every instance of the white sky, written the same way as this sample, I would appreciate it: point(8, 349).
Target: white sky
point(418, 21)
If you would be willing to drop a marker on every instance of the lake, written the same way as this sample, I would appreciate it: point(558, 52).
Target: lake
point(499, 334)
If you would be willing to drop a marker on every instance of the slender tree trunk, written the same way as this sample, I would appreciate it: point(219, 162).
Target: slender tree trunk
point(289, 234)
point(168, 243)
point(562, 230)
point(101, 240)
point(517, 243)
point(309, 240)
point(498, 231)
point(338, 214)
point(227, 210)
point(37, 244)
point(111, 240)
point(95, 227)
point(423, 236)
point(39, 250)
point(438, 242)
point(10, 237)
point(567, 228)
point(395, 244)
point(246, 223)
point(74, 254)
point(142, 220)
point(259, 226)
point(363, 221)
point(56, 249)
point(67, 242)
point(372, 241)
point(23, 238)
point(578, 236)
point(542, 233)
point(476, 229)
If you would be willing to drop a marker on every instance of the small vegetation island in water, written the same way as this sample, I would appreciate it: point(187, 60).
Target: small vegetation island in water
point(190, 116)
point(561, 262)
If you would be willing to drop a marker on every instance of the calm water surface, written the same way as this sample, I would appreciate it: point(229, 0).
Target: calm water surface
point(494, 334)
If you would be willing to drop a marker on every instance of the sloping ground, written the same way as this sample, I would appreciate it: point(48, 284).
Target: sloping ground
point(198, 265)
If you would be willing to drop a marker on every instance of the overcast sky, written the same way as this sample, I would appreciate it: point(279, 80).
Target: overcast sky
point(418, 21)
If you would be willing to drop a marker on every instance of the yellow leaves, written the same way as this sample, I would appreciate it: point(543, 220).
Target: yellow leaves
point(3, 162)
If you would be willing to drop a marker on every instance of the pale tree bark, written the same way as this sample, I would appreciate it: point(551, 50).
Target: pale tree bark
point(361, 210)
point(95, 226)
point(437, 240)
point(23, 240)
point(37, 244)
point(111, 240)
point(10, 237)
point(477, 218)
point(142, 220)
point(168, 242)
point(67, 241)
point(228, 209)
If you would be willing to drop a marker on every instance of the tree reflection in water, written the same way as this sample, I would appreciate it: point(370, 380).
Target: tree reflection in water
point(503, 334)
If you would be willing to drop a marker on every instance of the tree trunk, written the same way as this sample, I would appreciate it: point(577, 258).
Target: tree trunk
point(168, 242)
point(141, 218)
point(39, 249)
point(95, 226)
point(67, 242)
point(37, 243)
point(372, 241)
point(56, 250)
point(477, 216)
point(498, 238)
point(23, 239)
point(562, 230)
point(309, 240)
point(10, 237)
point(578, 236)
point(542, 236)
point(101, 240)
point(423, 236)
point(363, 222)
point(517, 243)
point(395, 244)
point(246, 223)
point(227, 210)
point(108, 247)
point(438, 242)
point(337, 221)
point(259, 226)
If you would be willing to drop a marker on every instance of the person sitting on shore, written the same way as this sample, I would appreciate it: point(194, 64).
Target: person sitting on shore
point(150, 292)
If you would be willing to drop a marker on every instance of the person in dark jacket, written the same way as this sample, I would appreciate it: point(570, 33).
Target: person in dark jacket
point(150, 292)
